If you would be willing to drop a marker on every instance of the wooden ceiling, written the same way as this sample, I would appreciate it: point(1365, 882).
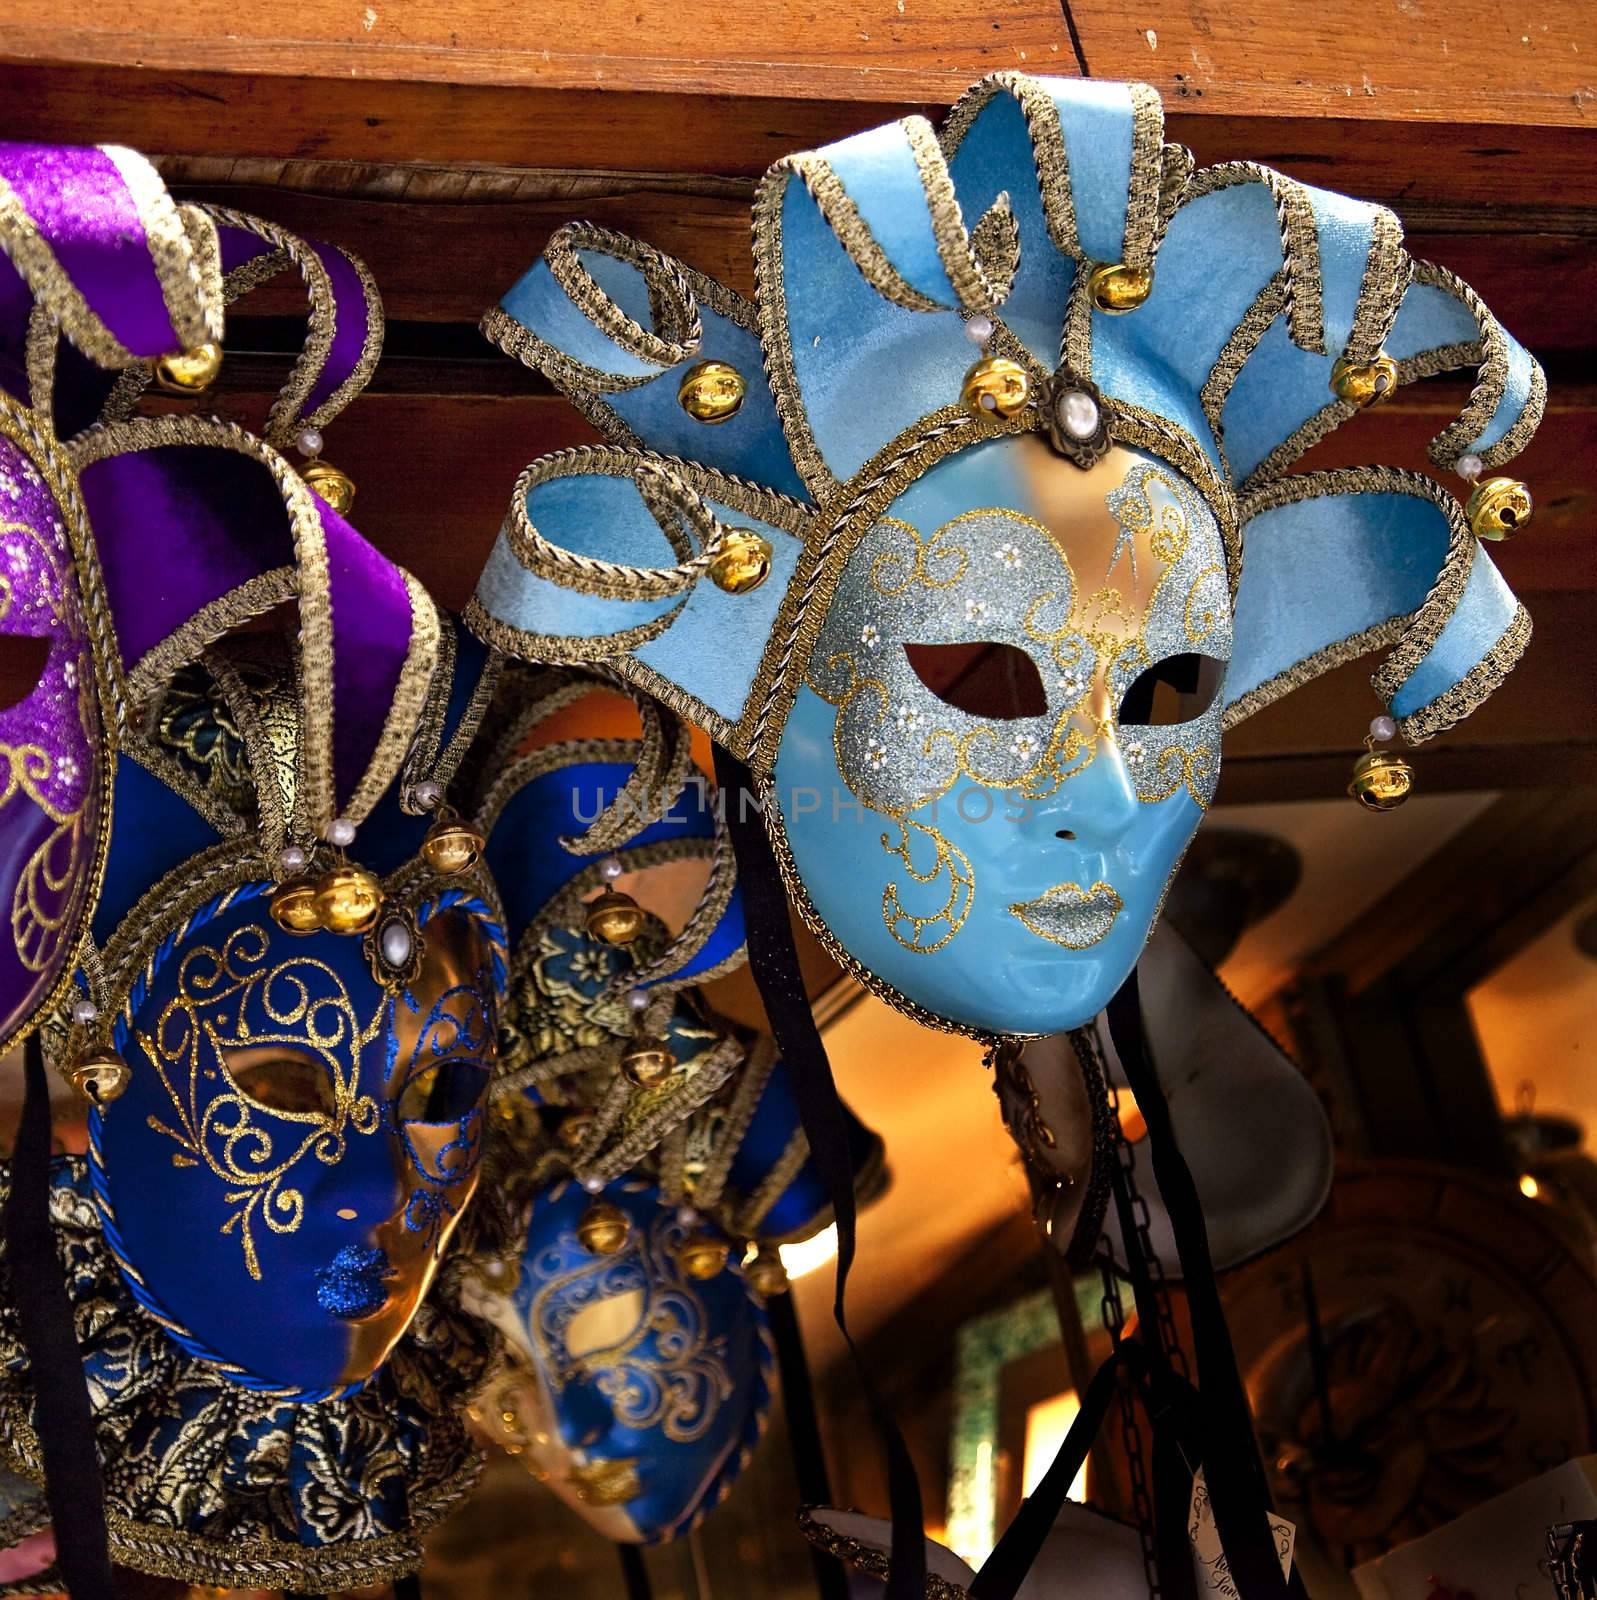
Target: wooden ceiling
point(443, 140)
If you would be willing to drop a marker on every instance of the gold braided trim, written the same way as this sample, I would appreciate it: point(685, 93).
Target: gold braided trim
point(673, 491)
point(1235, 353)
point(38, 445)
point(1454, 704)
point(315, 645)
point(273, 803)
point(460, 741)
point(1075, 332)
point(776, 336)
point(180, 781)
point(1143, 196)
point(563, 649)
point(371, 349)
point(867, 1558)
point(153, 671)
point(530, 696)
point(774, 1184)
point(205, 244)
point(978, 285)
point(544, 760)
point(1300, 242)
point(1179, 165)
point(1410, 635)
point(253, 273)
point(39, 356)
point(186, 283)
point(406, 708)
point(671, 304)
point(37, 266)
point(1047, 147)
point(710, 1184)
point(1387, 270)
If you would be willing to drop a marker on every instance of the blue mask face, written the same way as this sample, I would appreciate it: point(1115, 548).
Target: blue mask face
point(298, 1139)
point(638, 1390)
point(996, 852)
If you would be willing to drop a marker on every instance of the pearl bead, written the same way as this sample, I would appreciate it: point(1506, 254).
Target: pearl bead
point(292, 860)
point(638, 999)
point(593, 1185)
point(687, 1216)
point(428, 793)
point(1078, 414)
point(1383, 727)
point(396, 943)
point(84, 1012)
point(341, 831)
point(1470, 467)
point(309, 442)
point(979, 330)
point(611, 868)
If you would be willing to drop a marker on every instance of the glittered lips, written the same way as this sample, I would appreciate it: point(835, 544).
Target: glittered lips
point(1071, 916)
point(355, 1285)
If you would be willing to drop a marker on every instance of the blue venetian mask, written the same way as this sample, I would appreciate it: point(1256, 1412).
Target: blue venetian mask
point(300, 1132)
point(636, 1390)
point(1035, 392)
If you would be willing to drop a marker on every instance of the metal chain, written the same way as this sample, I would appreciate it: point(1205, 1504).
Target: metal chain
point(1114, 1320)
point(1139, 1212)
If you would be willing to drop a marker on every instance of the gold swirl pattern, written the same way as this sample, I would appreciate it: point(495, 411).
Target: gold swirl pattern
point(663, 1368)
point(227, 998)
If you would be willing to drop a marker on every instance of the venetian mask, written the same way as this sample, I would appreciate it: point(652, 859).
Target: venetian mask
point(973, 583)
point(637, 1389)
point(299, 1135)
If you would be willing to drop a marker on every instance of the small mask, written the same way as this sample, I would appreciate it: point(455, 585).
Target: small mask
point(298, 1138)
point(636, 1390)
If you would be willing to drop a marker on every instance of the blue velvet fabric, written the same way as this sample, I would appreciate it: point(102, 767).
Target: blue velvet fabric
point(678, 1382)
point(1483, 615)
point(804, 1206)
point(1319, 571)
point(713, 645)
point(529, 867)
point(750, 445)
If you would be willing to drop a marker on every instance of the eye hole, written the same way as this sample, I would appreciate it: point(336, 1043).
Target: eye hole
point(1174, 690)
point(445, 1092)
point(983, 679)
point(22, 659)
point(281, 1079)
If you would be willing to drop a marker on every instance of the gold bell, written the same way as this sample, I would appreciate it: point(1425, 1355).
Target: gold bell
point(1117, 288)
point(452, 847)
point(190, 371)
point(573, 1130)
point(335, 487)
point(1382, 780)
point(1498, 508)
point(712, 392)
point(100, 1076)
point(995, 387)
point(603, 1228)
point(614, 918)
point(742, 563)
point(647, 1062)
point(701, 1257)
point(294, 907)
point(765, 1272)
point(1364, 383)
point(348, 899)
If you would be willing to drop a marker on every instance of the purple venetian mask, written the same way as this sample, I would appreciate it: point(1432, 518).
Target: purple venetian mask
point(51, 786)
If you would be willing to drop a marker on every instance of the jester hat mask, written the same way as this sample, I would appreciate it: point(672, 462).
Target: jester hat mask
point(287, 1110)
point(637, 1388)
point(1102, 501)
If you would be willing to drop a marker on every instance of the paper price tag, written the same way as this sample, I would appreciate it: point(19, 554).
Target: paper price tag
point(1214, 1571)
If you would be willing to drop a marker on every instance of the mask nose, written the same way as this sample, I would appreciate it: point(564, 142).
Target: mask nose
point(1099, 804)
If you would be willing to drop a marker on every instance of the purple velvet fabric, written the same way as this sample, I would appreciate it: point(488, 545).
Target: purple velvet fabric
point(177, 528)
point(240, 245)
point(349, 328)
point(371, 636)
point(85, 213)
point(49, 798)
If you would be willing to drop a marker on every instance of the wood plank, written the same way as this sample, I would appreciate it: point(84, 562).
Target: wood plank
point(1375, 59)
point(448, 260)
point(185, 110)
